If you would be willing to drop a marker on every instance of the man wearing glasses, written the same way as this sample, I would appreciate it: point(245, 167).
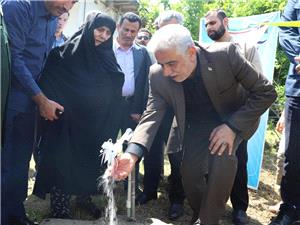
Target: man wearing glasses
point(143, 37)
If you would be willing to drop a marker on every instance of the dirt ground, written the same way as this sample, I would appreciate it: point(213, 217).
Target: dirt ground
point(266, 195)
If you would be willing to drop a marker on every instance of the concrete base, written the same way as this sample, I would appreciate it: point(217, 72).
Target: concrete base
point(101, 221)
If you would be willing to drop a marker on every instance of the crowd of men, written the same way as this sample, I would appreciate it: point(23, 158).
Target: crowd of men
point(199, 103)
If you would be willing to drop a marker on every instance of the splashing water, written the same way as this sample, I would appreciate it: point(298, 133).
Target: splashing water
point(108, 184)
point(109, 153)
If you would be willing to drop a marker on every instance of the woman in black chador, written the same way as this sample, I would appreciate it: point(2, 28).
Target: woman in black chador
point(83, 76)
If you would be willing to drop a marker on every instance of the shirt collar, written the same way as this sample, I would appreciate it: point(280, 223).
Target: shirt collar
point(117, 46)
point(42, 10)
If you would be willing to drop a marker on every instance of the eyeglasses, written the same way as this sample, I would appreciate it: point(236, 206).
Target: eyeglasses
point(145, 38)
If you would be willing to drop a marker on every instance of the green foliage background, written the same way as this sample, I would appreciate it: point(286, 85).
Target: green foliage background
point(193, 10)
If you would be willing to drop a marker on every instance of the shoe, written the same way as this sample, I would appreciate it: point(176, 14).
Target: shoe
point(195, 219)
point(197, 222)
point(282, 219)
point(175, 211)
point(142, 198)
point(239, 217)
point(21, 221)
point(86, 204)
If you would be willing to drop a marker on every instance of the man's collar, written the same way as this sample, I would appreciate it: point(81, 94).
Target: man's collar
point(42, 10)
point(117, 46)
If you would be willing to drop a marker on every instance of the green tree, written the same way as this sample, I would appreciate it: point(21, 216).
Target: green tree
point(192, 11)
point(148, 12)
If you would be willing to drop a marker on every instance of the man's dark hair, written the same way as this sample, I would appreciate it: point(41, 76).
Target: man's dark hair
point(146, 31)
point(131, 17)
point(220, 13)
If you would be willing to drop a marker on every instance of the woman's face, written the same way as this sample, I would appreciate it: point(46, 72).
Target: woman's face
point(101, 34)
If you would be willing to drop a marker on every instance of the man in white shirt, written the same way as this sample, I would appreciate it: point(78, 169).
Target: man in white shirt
point(134, 61)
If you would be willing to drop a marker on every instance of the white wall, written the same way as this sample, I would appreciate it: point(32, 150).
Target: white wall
point(79, 11)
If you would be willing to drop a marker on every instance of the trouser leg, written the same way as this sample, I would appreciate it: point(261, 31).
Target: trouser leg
point(194, 168)
point(221, 174)
point(290, 184)
point(207, 179)
point(153, 162)
point(16, 155)
point(175, 187)
point(239, 194)
point(154, 159)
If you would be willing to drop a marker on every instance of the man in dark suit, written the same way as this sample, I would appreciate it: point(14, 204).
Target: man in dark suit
point(217, 97)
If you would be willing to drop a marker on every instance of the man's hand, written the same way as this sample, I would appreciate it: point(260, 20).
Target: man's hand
point(135, 117)
point(123, 166)
point(297, 68)
point(280, 123)
point(47, 107)
point(221, 138)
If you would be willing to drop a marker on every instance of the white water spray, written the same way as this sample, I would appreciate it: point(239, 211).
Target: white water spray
point(109, 153)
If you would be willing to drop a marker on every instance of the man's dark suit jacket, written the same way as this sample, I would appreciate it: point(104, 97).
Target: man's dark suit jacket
point(142, 63)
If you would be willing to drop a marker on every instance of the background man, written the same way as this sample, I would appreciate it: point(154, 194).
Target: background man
point(60, 38)
point(216, 23)
point(289, 39)
point(31, 26)
point(143, 37)
point(214, 110)
point(154, 159)
point(134, 61)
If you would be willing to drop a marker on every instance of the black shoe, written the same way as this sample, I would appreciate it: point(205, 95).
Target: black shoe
point(175, 211)
point(282, 219)
point(197, 222)
point(239, 217)
point(195, 219)
point(143, 198)
point(22, 221)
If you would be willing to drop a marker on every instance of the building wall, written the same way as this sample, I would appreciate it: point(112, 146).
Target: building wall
point(81, 9)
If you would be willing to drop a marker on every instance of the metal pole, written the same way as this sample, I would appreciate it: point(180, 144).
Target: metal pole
point(128, 201)
point(133, 194)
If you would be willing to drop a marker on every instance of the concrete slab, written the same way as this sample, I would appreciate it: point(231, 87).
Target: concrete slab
point(101, 221)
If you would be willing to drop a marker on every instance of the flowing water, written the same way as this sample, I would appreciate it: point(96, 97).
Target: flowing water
point(108, 184)
point(108, 153)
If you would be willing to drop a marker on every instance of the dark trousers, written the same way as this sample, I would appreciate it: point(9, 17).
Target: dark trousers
point(290, 183)
point(124, 122)
point(239, 194)
point(154, 161)
point(207, 179)
point(15, 158)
